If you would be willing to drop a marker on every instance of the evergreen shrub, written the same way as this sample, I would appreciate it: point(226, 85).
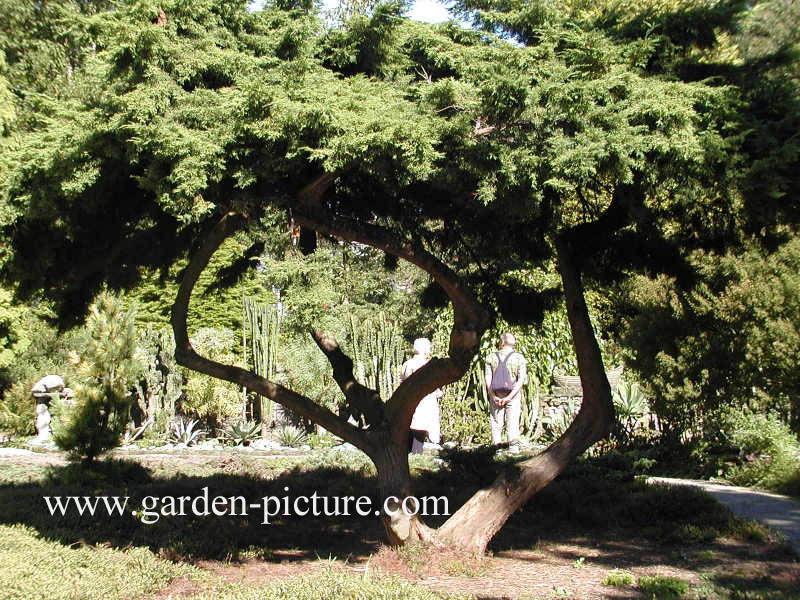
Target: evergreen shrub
point(95, 419)
point(766, 452)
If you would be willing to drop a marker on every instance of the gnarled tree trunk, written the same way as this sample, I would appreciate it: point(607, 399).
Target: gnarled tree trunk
point(383, 435)
point(394, 487)
point(482, 516)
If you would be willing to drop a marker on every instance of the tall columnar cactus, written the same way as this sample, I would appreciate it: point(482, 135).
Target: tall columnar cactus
point(159, 385)
point(263, 322)
point(377, 350)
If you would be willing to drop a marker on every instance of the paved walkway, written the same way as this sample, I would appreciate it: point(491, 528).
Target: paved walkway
point(15, 452)
point(781, 513)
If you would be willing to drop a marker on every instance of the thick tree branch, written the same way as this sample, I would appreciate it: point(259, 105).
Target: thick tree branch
point(470, 318)
point(187, 357)
point(363, 400)
point(590, 237)
point(476, 522)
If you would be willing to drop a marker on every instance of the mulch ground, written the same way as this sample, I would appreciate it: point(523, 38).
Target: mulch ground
point(573, 569)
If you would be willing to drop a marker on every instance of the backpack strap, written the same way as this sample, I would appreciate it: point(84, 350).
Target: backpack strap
point(503, 360)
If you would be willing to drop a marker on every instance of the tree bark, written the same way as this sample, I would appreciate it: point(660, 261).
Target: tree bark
point(394, 487)
point(386, 440)
point(470, 318)
point(482, 516)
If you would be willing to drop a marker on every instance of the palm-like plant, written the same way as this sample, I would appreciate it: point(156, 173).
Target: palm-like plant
point(630, 406)
point(183, 431)
point(241, 433)
point(291, 436)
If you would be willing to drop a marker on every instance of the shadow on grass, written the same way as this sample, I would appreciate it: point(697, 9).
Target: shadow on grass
point(192, 536)
point(597, 499)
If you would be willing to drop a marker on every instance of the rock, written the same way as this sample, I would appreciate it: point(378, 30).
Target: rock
point(47, 385)
point(450, 445)
point(305, 447)
point(262, 444)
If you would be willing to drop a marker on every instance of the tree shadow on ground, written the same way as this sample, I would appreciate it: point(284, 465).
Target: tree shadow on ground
point(194, 536)
point(598, 499)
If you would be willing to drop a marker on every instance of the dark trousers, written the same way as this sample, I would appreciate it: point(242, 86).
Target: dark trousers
point(416, 441)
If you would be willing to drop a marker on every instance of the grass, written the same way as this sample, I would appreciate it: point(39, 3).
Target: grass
point(36, 568)
point(331, 584)
point(604, 496)
point(415, 556)
point(741, 587)
point(467, 566)
point(597, 499)
point(598, 495)
point(618, 578)
point(657, 587)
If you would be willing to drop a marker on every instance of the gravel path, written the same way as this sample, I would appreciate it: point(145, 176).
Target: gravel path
point(15, 452)
point(781, 513)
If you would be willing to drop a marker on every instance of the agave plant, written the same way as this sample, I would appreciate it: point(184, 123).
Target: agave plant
point(291, 436)
point(242, 433)
point(183, 431)
point(130, 434)
point(631, 406)
point(557, 422)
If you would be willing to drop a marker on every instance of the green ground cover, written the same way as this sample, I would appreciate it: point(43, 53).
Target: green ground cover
point(597, 503)
point(35, 567)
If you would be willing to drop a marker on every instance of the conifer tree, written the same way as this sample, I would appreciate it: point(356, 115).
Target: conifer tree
point(107, 369)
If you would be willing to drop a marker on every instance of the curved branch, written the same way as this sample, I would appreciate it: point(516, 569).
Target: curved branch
point(186, 356)
point(592, 236)
point(469, 322)
point(465, 304)
point(476, 522)
point(367, 402)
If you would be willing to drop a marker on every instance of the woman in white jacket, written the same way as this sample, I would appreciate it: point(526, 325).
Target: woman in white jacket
point(425, 423)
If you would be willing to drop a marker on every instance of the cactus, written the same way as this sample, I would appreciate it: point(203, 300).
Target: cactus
point(159, 385)
point(264, 323)
point(377, 351)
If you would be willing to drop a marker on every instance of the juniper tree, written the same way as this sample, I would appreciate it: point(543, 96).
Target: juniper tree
point(472, 158)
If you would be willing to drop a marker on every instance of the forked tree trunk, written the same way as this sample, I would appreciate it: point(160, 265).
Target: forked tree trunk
point(394, 485)
point(482, 516)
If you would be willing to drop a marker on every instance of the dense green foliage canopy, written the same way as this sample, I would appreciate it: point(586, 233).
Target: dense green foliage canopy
point(627, 146)
point(455, 137)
